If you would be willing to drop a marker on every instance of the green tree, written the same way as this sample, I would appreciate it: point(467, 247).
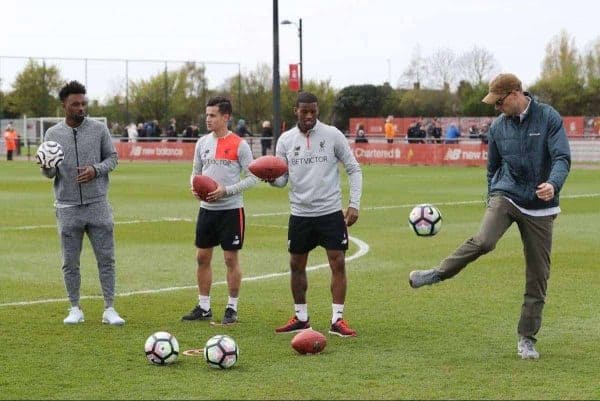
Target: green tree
point(469, 98)
point(427, 103)
point(562, 79)
point(113, 109)
point(255, 95)
point(362, 101)
point(35, 91)
point(476, 65)
point(179, 94)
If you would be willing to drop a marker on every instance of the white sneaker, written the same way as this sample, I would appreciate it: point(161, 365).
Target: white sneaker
point(111, 316)
point(526, 349)
point(75, 316)
point(419, 278)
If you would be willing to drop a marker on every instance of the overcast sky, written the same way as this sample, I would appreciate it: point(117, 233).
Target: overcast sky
point(344, 41)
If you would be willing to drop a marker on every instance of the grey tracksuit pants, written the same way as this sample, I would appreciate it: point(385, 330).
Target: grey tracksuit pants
point(536, 236)
point(96, 220)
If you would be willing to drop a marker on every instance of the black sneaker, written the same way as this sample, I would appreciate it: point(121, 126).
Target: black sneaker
point(230, 316)
point(198, 314)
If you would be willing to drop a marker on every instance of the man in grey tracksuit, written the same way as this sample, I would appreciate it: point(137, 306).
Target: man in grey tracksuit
point(528, 162)
point(80, 191)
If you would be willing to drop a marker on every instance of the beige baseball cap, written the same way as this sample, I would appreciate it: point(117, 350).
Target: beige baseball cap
point(501, 86)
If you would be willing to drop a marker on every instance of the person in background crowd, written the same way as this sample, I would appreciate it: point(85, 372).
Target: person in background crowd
point(171, 132)
point(361, 135)
point(473, 132)
point(191, 133)
point(389, 129)
point(452, 133)
point(528, 163)
point(242, 130)
point(484, 132)
point(437, 131)
point(132, 132)
point(416, 134)
point(141, 131)
point(10, 141)
point(266, 137)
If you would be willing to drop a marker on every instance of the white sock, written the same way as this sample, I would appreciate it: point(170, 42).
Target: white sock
point(232, 303)
point(204, 302)
point(301, 312)
point(338, 312)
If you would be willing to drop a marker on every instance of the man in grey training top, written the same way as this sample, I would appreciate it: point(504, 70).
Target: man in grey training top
point(312, 151)
point(80, 191)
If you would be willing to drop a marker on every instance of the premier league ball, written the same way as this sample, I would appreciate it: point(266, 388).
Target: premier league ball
point(161, 348)
point(425, 220)
point(221, 352)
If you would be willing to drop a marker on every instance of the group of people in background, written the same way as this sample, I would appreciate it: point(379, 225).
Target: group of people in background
point(428, 131)
point(151, 131)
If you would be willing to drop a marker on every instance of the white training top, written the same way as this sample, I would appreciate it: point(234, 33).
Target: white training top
point(313, 170)
point(223, 160)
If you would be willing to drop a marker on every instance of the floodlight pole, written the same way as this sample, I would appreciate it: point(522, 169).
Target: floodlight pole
point(299, 26)
point(276, 80)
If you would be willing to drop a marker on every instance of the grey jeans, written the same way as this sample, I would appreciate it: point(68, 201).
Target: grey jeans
point(96, 220)
point(536, 236)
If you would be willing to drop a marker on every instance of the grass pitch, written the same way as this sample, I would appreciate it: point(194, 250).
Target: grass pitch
point(453, 340)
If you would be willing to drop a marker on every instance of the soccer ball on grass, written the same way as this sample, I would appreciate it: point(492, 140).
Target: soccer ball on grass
point(425, 220)
point(161, 348)
point(221, 352)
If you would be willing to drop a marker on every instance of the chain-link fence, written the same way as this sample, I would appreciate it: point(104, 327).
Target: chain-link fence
point(106, 79)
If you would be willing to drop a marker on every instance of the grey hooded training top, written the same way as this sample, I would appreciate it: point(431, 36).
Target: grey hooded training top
point(90, 144)
point(313, 174)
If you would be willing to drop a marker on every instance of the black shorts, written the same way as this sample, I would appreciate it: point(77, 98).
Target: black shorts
point(329, 231)
point(224, 227)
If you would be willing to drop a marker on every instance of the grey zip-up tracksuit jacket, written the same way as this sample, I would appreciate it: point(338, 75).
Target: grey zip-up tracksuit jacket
point(88, 144)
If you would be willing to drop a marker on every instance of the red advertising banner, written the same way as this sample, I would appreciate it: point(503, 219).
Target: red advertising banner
point(294, 81)
point(423, 154)
point(166, 151)
point(574, 125)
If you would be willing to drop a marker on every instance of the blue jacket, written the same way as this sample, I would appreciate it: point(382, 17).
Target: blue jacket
point(524, 154)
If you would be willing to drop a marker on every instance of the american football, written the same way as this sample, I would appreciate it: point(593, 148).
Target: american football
point(203, 185)
point(268, 167)
point(309, 342)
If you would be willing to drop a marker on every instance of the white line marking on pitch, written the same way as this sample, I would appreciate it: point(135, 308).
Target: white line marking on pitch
point(184, 219)
point(363, 249)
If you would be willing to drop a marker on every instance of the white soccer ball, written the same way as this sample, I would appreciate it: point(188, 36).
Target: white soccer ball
point(221, 352)
point(50, 154)
point(425, 220)
point(161, 348)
